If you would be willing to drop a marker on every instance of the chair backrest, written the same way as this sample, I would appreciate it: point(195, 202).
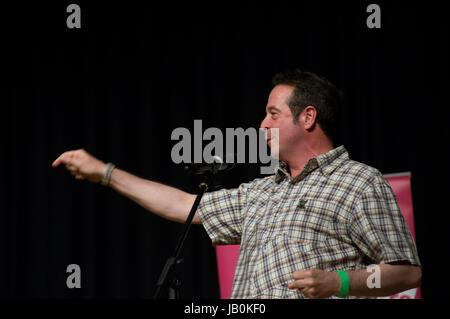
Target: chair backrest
point(227, 255)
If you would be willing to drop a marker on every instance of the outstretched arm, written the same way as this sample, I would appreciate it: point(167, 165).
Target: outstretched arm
point(165, 201)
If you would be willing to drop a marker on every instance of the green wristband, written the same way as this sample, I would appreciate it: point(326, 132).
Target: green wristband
point(345, 284)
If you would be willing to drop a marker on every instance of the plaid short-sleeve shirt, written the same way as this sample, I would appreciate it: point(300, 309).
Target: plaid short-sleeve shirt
point(337, 214)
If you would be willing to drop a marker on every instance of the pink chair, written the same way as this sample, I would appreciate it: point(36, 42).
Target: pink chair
point(227, 255)
point(401, 185)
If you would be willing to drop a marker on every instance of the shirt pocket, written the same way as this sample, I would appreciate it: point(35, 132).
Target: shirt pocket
point(307, 220)
point(280, 257)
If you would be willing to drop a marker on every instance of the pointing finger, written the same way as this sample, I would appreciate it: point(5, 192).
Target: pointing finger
point(56, 162)
point(63, 158)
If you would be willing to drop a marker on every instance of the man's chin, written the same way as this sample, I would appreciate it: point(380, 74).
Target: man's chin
point(274, 149)
point(275, 154)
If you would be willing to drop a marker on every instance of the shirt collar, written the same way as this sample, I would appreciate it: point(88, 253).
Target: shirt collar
point(327, 163)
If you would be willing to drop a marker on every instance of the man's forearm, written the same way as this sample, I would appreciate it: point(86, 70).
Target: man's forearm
point(393, 279)
point(165, 201)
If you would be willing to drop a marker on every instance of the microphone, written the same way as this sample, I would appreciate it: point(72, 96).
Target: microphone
point(214, 167)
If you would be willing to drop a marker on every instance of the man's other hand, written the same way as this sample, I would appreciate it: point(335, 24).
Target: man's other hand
point(314, 283)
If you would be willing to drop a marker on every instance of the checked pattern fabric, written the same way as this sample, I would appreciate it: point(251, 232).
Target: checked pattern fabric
point(337, 214)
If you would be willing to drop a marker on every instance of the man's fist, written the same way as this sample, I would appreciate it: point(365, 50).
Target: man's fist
point(82, 165)
point(314, 283)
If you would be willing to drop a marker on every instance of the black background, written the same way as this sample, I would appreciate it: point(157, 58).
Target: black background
point(133, 73)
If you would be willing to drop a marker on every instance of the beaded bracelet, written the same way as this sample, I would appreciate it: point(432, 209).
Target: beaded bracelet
point(109, 169)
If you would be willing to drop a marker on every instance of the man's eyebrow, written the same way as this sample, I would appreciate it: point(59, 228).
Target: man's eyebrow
point(272, 108)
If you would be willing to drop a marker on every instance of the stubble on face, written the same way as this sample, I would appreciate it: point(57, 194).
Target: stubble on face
point(279, 115)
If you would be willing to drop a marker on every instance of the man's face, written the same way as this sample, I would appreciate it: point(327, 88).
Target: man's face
point(278, 115)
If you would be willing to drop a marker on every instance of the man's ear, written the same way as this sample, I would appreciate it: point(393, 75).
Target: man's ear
point(308, 117)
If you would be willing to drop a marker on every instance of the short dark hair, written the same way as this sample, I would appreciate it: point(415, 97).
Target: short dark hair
point(311, 89)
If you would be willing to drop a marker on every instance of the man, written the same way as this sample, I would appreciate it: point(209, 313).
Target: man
point(312, 229)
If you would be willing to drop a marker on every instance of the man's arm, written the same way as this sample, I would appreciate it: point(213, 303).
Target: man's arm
point(165, 201)
point(394, 278)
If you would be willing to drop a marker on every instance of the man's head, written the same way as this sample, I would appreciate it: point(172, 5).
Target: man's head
point(302, 105)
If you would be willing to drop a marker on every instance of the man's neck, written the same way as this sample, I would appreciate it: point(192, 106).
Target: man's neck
point(299, 156)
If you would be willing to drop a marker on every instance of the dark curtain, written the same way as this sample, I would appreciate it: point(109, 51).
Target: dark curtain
point(133, 73)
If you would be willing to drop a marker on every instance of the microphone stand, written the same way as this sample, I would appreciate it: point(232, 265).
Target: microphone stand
point(173, 261)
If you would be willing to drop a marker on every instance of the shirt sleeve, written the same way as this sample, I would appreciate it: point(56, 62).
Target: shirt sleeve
point(378, 228)
point(221, 213)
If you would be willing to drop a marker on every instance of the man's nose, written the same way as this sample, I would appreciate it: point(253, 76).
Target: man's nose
point(265, 123)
